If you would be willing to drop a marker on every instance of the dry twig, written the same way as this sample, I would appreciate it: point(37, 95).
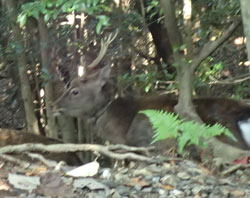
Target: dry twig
point(235, 168)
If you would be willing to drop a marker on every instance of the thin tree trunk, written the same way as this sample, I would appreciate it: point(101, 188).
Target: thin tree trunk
point(185, 107)
point(185, 73)
point(32, 122)
point(159, 35)
point(51, 128)
point(245, 12)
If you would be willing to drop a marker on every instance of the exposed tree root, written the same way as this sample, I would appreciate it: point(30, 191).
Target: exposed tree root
point(127, 151)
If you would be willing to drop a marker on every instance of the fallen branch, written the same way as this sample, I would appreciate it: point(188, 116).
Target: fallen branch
point(62, 148)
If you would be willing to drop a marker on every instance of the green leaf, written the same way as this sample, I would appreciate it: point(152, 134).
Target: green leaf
point(102, 21)
point(47, 17)
point(98, 28)
point(35, 13)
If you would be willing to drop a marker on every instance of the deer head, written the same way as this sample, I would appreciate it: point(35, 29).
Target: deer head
point(89, 93)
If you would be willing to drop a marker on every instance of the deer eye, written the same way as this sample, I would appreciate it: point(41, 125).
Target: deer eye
point(74, 92)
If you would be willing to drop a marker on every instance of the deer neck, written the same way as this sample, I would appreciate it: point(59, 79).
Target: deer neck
point(99, 113)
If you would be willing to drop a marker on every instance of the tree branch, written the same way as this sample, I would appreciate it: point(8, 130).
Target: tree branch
point(230, 81)
point(210, 47)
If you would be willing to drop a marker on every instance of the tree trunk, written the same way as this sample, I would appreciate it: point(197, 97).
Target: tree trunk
point(245, 12)
point(160, 36)
point(51, 128)
point(185, 73)
point(170, 23)
point(32, 122)
point(185, 107)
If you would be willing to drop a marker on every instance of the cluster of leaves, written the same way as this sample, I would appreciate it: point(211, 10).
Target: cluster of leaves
point(153, 9)
point(216, 10)
point(242, 90)
point(51, 9)
point(168, 125)
point(144, 81)
point(208, 70)
point(213, 17)
point(131, 21)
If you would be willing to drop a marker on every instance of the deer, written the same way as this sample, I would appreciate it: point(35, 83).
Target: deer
point(117, 119)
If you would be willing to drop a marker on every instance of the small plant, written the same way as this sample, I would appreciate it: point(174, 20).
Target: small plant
point(168, 125)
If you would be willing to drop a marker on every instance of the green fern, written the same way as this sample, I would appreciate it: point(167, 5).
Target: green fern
point(167, 125)
point(164, 128)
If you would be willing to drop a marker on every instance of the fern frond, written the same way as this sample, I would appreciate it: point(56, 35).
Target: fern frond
point(165, 125)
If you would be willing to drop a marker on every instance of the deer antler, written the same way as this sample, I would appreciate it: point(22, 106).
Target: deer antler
point(104, 46)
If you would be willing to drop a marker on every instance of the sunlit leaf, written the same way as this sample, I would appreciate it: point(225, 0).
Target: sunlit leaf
point(22, 19)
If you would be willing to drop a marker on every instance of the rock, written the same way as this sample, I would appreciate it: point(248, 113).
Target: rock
point(106, 173)
point(169, 180)
point(183, 175)
point(156, 179)
point(147, 189)
point(197, 190)
point(178, 193)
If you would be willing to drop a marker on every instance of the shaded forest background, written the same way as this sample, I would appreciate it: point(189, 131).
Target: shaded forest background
point(45, 44)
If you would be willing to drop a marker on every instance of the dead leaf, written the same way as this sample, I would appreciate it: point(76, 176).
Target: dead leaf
point(37, 171)
point(86, 170)
point(166, 187)
point(139, 182)
point(243, 160)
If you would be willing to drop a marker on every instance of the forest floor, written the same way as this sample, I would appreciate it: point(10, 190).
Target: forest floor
point(171, 178)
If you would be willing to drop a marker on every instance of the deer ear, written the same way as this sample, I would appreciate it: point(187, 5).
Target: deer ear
point(104, 75)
